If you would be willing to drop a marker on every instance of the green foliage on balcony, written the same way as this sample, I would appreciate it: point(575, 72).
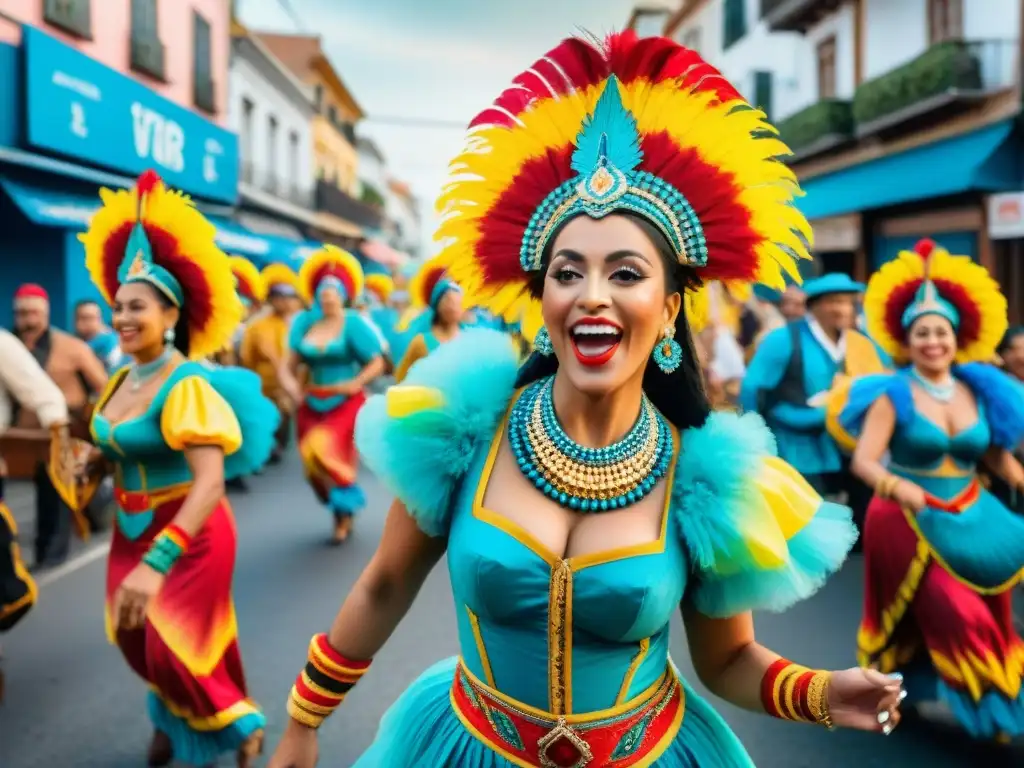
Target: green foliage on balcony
point(371, 196)
point(944, 67)
point(829, 117)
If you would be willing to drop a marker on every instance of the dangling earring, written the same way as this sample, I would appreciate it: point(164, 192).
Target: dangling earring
point(667, 354)
point(169, 336)
point(542, 342)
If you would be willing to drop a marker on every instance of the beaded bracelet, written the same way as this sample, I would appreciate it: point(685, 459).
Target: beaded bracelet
point(323, 684)
point(167, 547)
point(792, 692)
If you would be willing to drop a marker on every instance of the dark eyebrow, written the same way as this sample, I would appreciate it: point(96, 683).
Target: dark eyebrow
point(575, 256)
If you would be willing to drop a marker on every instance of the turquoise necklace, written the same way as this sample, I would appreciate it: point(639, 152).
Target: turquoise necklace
point(140, 373)
point(580, 478)
point(941, 392)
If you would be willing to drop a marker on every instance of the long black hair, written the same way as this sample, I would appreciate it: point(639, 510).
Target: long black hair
point(181, 334)
point(679, 395)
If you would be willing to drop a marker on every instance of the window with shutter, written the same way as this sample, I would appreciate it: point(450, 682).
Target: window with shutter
point(735, 21)
point(147, 52)
point(71, 16)
point(827, 69)
point(204, 96)
point(945, 20)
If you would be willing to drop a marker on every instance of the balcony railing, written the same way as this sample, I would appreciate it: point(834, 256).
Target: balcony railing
point(818, 128)
point(795, 15)
point(333, 200)
point(270, 183)
point(948, 74)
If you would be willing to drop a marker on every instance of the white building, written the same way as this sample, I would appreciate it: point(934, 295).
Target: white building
point(373, 171)
point(402, 210)
point(272, 112)
point(649, 18)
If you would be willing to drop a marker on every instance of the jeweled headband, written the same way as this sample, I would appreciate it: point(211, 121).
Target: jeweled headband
point(606, 159)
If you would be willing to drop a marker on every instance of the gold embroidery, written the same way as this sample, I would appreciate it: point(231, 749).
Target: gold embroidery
point(560, 638)
point(634, 665)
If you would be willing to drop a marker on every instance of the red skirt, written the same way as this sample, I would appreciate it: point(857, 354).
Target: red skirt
point(916, 611)
point(187, 651)
point(328, 450)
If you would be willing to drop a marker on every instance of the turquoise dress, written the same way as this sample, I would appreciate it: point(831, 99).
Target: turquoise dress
point(326, 420)
point(940, 581)
point(586, 637)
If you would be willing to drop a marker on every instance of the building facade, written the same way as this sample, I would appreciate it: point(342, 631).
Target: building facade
point(95, 93)
point(403, 212)
point(910, 126)
point(341, 216)
point(272, 112)
point(901, 115)
point(373, 172)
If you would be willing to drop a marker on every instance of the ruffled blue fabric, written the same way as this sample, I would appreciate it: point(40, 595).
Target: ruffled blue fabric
point(864, 391)
point(201, 748)
point(346, 501)
point(993, 715)
point(713, 501)
point(421, 729)
point(421, 458)
point(1002, 401)
point(257, 416)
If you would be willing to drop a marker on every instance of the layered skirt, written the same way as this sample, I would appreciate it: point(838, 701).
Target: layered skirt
point(187, 651)
point(327, 447)
point(449, 719)
point(942, 620)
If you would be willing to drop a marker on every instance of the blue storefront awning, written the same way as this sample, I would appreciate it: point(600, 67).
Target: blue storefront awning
point(68, 210)
point(49, 208)
point(972, 161)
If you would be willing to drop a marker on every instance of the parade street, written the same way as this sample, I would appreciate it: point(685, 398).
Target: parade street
point(72, 703)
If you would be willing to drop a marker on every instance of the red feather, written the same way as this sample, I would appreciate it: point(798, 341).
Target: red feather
point(925, 247)
point(147, 181)
point(903, 296)
point(332, 270)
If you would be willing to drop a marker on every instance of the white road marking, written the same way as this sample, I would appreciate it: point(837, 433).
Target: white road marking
point(97, 551)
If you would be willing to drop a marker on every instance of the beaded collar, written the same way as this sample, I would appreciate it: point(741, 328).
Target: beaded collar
point(587, 479)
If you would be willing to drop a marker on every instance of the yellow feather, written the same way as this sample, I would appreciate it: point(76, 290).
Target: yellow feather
point(246, 270)
point(338, 259)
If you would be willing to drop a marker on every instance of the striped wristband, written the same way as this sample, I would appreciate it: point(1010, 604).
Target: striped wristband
point(167, 547)
point(323, 684)
point(792, 692)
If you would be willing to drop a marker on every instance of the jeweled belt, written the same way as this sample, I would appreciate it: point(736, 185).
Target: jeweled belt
point(137, 502)
point(634, 732)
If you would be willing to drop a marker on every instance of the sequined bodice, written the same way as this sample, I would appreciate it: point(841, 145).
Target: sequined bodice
point(575, 635)
point(331, 363)
point(941, 463)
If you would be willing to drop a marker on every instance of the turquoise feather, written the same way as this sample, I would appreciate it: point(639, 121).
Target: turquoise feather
point(609, 136)
point(711, 501)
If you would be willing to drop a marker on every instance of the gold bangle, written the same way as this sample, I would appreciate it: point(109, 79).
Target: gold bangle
point(886, 486)
point(817, 699)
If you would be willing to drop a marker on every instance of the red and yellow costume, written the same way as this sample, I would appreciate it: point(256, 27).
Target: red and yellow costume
point(327, 416)
point(426, 289)
point(187, 650)
point(938, 583)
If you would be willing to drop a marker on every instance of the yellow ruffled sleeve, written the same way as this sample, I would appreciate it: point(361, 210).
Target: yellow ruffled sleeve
point(195, 414)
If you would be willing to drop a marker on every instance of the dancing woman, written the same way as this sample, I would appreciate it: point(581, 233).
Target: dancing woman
point(342, 353)
point(942, 554)
point(586, 498)
point(175, 429)
point(439, 300)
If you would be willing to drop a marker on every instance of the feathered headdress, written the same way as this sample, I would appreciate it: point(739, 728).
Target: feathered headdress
point(153, 235)
point(248, 282)
point(928, 280)
point(426, 288)
point(331, 266)
point(641, 126)
point(380, 285)
point(280, 279)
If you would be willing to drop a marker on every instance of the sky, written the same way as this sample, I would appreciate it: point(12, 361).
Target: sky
point(435, 60)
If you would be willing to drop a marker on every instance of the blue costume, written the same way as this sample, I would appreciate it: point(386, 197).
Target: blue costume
point(511, 595)
point(105, 346)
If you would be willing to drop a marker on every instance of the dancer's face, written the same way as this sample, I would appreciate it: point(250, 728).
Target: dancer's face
point(330, 302)
point(931, 343)
point(605, 302)
point(449, 308)
point(141, 319)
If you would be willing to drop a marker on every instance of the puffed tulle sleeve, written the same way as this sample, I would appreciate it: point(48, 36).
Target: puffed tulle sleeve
point(758, 536)
point(849, 403)
point(1002, 401)
point(223, 407)
point(421, 437)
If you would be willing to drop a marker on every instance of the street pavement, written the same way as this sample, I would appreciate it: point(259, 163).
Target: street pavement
point(72, 703)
